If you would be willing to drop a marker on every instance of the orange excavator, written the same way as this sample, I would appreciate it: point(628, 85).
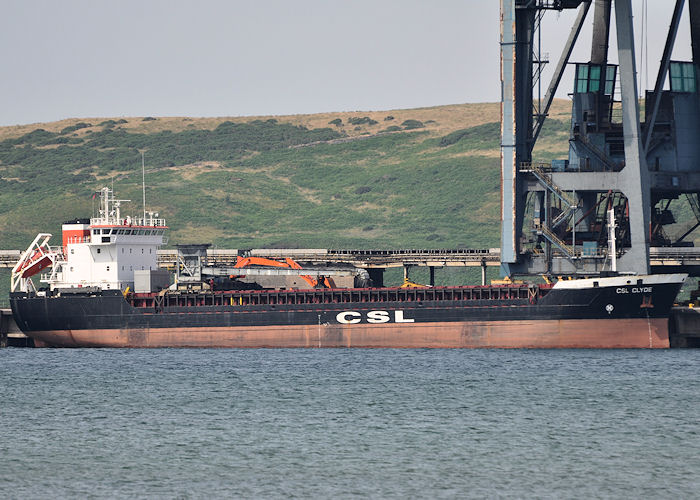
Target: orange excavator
point(322, 282)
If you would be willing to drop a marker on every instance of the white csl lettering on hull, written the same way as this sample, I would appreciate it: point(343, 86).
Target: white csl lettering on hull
point(378, 317)
point(348, 317)
point(374, 317)
point(398, 318)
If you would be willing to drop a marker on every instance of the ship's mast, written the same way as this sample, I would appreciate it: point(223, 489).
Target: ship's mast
point(143, 184)
point(611, 240)
point(110, 208)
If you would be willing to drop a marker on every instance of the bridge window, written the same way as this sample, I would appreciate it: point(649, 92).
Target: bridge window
point(682, 77)
point(581, 78)
point(588, 78)
point(610, 75)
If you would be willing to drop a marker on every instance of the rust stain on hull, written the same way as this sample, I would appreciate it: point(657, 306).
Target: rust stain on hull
point(589, 333)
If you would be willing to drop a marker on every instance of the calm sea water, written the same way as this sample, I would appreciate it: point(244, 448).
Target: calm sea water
point(349, 423)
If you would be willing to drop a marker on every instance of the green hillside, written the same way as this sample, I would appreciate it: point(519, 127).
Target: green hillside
point(409, 178)
point(416, 178)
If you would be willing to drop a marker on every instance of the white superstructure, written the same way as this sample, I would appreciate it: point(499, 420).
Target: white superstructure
point(102, 252)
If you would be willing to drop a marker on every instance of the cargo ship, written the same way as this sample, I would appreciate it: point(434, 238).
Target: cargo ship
point(103, 288)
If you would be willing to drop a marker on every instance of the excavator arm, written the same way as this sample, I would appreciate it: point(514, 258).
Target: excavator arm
point(288, 262)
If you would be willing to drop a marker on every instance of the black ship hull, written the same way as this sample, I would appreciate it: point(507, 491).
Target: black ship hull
point(609, 312)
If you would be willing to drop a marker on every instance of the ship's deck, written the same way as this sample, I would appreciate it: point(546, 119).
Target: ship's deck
point(338, 296)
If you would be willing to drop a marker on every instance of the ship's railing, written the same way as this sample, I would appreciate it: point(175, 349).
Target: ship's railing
point(78, 239)
point(127, 221)
point(148, 221)
point(48, 277)
point(494, 293)
point(59, 251)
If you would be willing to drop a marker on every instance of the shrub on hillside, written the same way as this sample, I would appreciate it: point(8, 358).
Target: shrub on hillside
point(363, 120)
point(481, 136)
point(337, 122)
point(73, 128)
point(412, 124)
point(38, 137)
point(453, 137)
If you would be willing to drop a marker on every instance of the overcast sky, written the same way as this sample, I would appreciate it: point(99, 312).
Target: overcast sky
point(93, 58)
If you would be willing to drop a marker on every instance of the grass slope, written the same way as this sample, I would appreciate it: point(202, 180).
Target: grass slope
point(391, 179)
